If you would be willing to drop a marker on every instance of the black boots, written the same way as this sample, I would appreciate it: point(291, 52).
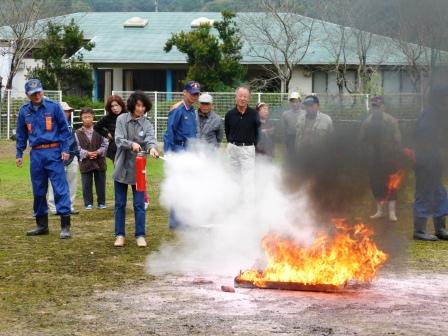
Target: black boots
point(41, 227)
point(440, 228)
point(65, 227)
point(420, 230)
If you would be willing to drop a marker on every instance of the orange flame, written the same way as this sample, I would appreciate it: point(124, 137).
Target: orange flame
point(394, 182)
point(350, 254)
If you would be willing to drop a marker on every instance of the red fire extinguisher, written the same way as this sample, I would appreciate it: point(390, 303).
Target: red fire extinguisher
point(140, 172)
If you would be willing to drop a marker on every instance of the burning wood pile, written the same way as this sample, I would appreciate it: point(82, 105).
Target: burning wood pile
point(327, 265)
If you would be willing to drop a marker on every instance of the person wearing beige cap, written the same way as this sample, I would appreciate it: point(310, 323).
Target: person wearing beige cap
point(288, 121)
point(70, 166)
point(210, 125)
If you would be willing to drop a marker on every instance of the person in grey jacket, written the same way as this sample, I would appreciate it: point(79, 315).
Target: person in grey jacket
point(210, 126)
point(313, 127)
point(133, 133)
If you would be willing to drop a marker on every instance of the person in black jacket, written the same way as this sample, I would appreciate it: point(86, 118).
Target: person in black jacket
point(242, 125)
point(106, 125)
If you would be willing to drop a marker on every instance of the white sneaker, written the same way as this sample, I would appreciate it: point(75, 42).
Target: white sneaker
point(141, 242)
point(119, 241)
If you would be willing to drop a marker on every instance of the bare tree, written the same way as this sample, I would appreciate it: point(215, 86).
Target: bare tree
point(336, 45)
point(420, 35)
point(278, 36)
point(352, 43)
point(21, 31)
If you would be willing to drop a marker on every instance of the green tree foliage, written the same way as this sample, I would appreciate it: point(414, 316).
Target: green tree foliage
point(61, 65)
point(213, 59)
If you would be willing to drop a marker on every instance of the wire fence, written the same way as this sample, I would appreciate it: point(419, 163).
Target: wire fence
point(346, 110)
point(10, 103)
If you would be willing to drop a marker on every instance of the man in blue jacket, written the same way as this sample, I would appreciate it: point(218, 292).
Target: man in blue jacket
point(42, 124)
point(182, 127)
point(182, 124)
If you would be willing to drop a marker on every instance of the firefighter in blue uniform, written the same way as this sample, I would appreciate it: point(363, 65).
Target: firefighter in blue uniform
point(42, 123)
point(182, 126)
point(430, 141)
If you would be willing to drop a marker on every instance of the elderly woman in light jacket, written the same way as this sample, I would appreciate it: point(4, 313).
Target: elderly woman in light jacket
point(133, 133)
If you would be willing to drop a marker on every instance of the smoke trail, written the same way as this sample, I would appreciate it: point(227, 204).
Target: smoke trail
point(224, 222)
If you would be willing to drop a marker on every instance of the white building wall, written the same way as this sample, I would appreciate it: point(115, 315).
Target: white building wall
point(19, 80)
point(18, 83)
point(4, 65)
point(301, 81)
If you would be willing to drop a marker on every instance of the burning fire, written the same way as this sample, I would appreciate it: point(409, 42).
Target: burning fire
point(395, 180)
point(350, 254)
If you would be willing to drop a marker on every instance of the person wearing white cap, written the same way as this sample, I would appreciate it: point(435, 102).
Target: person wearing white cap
point(71, 168)
point(288, 122)
point(210, 126)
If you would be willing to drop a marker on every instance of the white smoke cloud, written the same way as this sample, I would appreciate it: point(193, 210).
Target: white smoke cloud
point(225, 220)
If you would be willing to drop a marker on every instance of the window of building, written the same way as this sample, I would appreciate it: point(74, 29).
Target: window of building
point(399, 81)
point(146, 80)
point(320, 81)
point(325, 82)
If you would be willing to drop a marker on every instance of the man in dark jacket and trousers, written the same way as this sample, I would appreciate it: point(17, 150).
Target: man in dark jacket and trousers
point(430, 141)
point(42, 124)
point(380, 140)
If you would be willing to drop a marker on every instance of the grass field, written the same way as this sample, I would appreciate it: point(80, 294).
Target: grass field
point(46, 282)
point(43, 275)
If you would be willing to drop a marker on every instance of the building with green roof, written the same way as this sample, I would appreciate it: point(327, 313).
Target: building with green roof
point(129, 55)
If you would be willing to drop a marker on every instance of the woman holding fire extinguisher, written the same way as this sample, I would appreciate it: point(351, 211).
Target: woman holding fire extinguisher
point(134, 134)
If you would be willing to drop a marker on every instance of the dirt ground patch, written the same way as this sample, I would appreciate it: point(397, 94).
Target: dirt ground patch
point(7, 149)
point(394, 304)
point(5, 204)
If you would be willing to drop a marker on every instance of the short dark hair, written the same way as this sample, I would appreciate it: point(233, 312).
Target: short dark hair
point(135, 97)
point(85, 110)
point(118, 100)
